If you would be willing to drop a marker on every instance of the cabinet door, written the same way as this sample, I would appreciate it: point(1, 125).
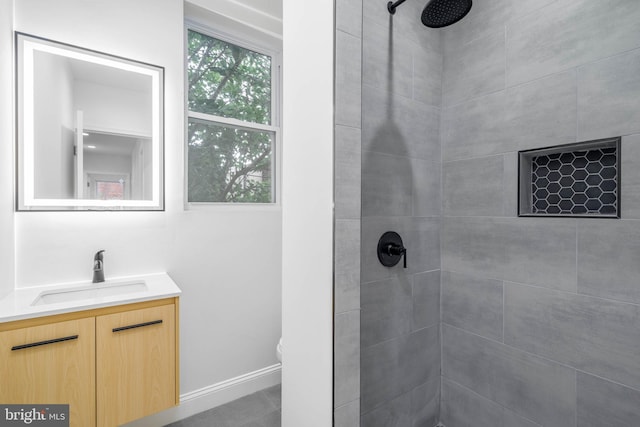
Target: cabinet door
point(51, 364)
point(136, 364)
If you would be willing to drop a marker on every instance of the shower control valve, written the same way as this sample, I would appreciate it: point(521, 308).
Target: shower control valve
point(391, 249)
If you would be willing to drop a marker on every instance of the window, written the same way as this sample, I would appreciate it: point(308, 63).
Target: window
point(231, 122)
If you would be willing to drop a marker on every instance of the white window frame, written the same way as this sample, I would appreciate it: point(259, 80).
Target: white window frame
point(276, 110)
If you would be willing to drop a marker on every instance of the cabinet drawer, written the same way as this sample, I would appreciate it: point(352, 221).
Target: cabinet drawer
point(136, 364)
point(51, 364)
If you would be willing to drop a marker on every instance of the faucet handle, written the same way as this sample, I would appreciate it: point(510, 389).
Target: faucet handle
point(98, 256)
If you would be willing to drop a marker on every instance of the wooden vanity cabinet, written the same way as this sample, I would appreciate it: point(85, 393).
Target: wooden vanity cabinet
point(111, 365)
point(51, 364)
point(135, 354)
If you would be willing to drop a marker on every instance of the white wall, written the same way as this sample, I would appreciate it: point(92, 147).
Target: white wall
point(54, 123)
point(226, 260)
point(7, 201)
point(307, 214)
point(113, 109)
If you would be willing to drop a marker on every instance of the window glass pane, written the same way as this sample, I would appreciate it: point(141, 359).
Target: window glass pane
point(106, 190)
point(227, 80)
point(229, 164)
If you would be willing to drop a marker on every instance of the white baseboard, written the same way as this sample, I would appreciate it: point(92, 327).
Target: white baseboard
point(214, 395)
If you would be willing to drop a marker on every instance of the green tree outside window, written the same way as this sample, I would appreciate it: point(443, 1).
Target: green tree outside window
point(228, 162)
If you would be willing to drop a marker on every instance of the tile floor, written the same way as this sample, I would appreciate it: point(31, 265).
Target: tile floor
point(260, 409)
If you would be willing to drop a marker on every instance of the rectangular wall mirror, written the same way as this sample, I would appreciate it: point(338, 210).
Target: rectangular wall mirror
point(90, 129)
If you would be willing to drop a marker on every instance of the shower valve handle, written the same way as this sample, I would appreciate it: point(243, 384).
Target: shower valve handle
point(398, 250)
point(391, 249)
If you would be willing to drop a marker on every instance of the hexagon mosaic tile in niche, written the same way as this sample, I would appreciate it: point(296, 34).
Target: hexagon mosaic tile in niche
point(575, 183)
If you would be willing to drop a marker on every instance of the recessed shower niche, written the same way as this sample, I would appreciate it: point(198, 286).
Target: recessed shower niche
point(581, 179)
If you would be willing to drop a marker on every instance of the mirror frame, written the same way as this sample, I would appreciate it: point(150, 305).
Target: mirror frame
point(25, 44)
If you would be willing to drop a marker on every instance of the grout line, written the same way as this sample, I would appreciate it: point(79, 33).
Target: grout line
point(506, 282)
point(490, 400)
point(577, 242)
point(576, 401)
point(505, 56)
point(402, 335)
point(544, 358)
point(575, 76)
point(504, 305)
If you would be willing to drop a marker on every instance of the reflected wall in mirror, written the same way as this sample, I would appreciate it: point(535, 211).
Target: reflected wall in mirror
point(90, 129)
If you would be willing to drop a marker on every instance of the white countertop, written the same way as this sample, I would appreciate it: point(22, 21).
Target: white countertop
point(19, 304)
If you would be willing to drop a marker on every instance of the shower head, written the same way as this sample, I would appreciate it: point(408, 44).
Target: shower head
point(442, 13)
point(439, 13)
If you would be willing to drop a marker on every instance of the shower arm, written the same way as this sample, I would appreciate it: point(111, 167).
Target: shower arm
point(391, 6)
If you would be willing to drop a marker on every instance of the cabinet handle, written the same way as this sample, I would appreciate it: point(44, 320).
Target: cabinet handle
point(139, 325)
point(39, 343)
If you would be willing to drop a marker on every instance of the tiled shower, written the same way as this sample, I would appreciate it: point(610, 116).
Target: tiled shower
point(499, 319)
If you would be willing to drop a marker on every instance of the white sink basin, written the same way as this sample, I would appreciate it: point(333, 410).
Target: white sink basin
point(89, 292)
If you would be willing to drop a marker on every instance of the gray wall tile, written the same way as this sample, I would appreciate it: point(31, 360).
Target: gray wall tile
point(536, 388)
point(511, 419)
point(484, 18)
point(372, 228)
point(569, 33)
point(386, 310)
point(473, 245)
point(474, 69)
point(426, 187)
point(348, 80)
point(387, 185)
point(397, 366)
point(348, 139)
point(347, 357)
point(463, 408)
point(422, 358)
point(396, 413)
point(555, 93)
point(425, 404)
point(472, 303)
point(593, 335)
point(474, 128)
point(347, 172)
point(347, 415)
point(541, 251)
point(510, 184)
point(426, 299)
point(387, 60)
point(380, 372)
point(347, 265)
point(608, 254)
point(603, 403)
point(408, 22)
point(473, 187)
point(349, 16)
point(421, 237)
point(427, 76)
point(542, 113)
point(397, 125)
point(405, 23)
point(608, 96)
point(630, 179)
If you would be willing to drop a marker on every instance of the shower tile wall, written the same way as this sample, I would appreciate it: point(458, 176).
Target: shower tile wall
point(540, 316)
point(401, 187)
point(347, 175)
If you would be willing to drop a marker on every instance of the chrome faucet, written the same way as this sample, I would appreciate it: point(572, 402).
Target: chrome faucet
point(98, 267)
